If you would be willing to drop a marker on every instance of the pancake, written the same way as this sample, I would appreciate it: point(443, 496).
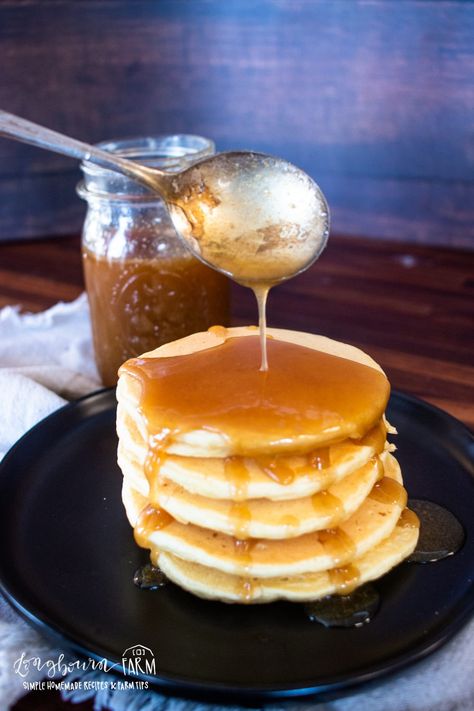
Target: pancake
point(213, 584)
point(255, 435)
point(250, 486)
point(369, 525)
point(239, 478)
point(262, 518)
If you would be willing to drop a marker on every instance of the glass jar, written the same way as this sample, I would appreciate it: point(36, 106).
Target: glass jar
point(143, 285)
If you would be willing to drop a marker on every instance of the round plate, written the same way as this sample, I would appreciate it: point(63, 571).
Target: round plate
point(68, 557)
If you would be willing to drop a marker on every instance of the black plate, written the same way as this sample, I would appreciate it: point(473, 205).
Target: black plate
point(68, 557)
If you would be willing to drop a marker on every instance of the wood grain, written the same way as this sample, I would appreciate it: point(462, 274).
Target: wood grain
point(373, 99)
point(411, 307)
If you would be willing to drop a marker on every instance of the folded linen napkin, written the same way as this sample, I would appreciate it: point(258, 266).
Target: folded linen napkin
point(47, 359)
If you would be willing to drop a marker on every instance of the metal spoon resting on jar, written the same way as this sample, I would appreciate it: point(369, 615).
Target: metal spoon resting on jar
point(257, 218)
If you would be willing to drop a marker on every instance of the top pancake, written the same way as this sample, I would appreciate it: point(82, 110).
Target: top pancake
point(204, 396)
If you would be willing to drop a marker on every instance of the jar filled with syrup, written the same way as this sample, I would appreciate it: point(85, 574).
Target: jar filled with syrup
point(144, 287)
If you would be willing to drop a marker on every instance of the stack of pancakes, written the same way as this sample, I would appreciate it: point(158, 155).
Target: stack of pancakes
point(241, 507)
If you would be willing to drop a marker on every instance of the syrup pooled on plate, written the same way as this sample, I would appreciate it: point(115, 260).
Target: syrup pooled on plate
point(149, 577)
point(441, 534)
point(352, 610)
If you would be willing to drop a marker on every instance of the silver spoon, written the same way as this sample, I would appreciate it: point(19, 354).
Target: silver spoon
point(254, 217)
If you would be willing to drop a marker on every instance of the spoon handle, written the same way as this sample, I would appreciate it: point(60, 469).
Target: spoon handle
point(20, 129)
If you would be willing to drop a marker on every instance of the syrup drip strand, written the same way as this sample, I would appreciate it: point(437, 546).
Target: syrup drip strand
point(320, 459)
point(344, 579)
point(238, 474)
point(243, 552)
point(276, 469)
point(261, 294)
point(337, 544)
point(389, 491)
point(150, 519)
point(326, 504)
point(156, 455)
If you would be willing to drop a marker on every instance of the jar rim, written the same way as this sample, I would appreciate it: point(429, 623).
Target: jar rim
point(172, 146)
point(101, 195)
point(171, 152)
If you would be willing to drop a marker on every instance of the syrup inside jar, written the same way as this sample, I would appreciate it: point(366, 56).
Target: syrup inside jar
point(144, 286)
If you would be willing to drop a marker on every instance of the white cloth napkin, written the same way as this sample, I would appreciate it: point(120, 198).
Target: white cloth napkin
point(45, 360)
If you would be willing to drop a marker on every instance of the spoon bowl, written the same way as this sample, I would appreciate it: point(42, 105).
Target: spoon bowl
point(254, 217)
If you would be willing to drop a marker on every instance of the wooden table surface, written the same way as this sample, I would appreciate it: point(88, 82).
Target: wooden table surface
point(410, 307)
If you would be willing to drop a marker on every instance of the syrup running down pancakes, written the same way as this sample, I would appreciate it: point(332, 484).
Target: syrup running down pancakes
point(250, 486)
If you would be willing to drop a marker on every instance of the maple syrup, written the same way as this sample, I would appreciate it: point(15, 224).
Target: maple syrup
point(441, 534)
point(238, 474)
point(149, 577)
point(337, 544)
point(352, 610)
point(345, 579)
point(306, 393)
point(389, 491)
point(326, 504)
point(150, 519)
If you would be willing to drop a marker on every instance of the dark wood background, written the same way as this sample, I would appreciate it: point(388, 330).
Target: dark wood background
point(375, 99)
